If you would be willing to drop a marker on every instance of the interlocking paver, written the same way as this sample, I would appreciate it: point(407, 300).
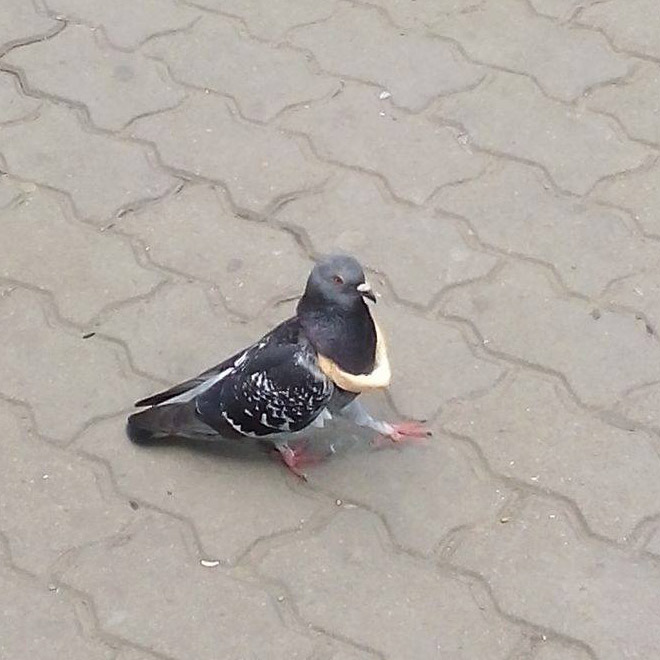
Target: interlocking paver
point(635, 104)
point(396, 62)
point(519, 313)
point(127, 24)
point(51, 502)
point(151, 569)
point(271, 19)
point(643, 405)
point(653, 545)
point(104, 270)
point(563, 9)
point(262, 79)
point(38, 623)
point(441, 472)
point(430, 252)
point(638, 33)
point(429, 351)
point(640, 292)
point(232, 495)
point(102, 174)
point(530, 430)
point(449, 616)
point(355, 128)
point(84, 377)
point(538, 554)
point(422, 13)
point(563, 60)
point(557, 651)
point(178, 233)
point(135, 654)
point(258, 164)
point(514, 208)
point(509, 114)
point(10, 191)
point(189, 311)
point(638, 192)
point(21, 23)
point(13, 105)
point(120, 86)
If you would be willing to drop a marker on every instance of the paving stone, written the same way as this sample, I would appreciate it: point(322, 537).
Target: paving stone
point(642, 405)
point(403, 148)
point(21, 23)
point(422, 13)
point(127, 24)
point(361, 43)
point(424, 350)
point(262, 79)
point(37, 623)
point(510, 115)
point(103, 272)
point(179, 231)
point(258, 164)
point(233, 494)
point(10, 191)
point(638, 192)
point(135, 654)
point(51, 501)
point(638, 33)
point(430, 252)
point(151, 570)
point(542, 570)
point(351, 555)
point(101, 174)
point(352, 655)
point(640, 292)
point(200, 332)
point(634, 102)
point(563, 9)
point(507, 33)
point(14, 106)
point(272, 19)
point(118, 86)
point(530, 430)
point(519, 313)
point(653, 545)
point(514, 208)
point(422, 492)
point(84, 377)
point(548, 650)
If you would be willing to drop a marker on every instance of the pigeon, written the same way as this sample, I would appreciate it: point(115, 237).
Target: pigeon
point(306, 370)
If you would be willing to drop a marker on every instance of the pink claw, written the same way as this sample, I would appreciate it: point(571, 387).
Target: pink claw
point(296, 458)
point(410, 431)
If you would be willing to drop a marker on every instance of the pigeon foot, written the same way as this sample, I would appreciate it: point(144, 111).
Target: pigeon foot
point(410, 431)
point(298, 457)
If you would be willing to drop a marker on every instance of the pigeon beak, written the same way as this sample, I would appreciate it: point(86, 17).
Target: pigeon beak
point(365, 290)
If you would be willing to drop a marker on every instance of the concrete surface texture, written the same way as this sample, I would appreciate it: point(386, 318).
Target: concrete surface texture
point(170, 170)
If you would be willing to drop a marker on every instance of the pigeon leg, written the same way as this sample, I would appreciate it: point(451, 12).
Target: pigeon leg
point(296, 458)
point(410, 430)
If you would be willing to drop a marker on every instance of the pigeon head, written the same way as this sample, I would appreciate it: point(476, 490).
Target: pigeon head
point(337, 281)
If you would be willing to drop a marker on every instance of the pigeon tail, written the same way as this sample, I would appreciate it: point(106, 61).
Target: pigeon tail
point(165, 421)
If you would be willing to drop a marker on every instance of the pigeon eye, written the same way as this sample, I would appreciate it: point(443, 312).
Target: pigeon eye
point(337, 279)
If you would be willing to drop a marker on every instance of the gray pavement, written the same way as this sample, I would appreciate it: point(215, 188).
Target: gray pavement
point(170, 170)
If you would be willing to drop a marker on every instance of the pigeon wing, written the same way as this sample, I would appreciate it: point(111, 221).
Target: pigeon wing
point(177, 392)
point(276, 389)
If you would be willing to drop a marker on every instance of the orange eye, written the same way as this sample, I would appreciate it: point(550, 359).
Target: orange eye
point(337, 280)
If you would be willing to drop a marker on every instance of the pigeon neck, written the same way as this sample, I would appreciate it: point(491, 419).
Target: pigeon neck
point(346, 336)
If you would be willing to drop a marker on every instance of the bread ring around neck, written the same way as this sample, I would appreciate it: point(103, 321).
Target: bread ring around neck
point(378, 379)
